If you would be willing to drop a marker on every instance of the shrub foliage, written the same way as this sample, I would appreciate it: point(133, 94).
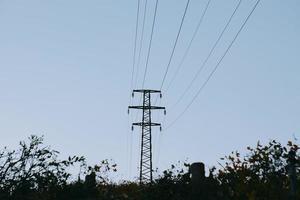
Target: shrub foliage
point(34, 171)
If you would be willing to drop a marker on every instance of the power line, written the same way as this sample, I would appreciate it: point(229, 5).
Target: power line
point(175, 44)
point(208, 56)
point(129, 143)
point(135, 42)
point(149, 48)
point(216, 66)
point(190, 44)
point(141, 42)
point(129, 149)
point(140, 47)
point(159, 139)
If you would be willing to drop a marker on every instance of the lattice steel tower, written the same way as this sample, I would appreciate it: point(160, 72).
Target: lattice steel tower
point(146, 124)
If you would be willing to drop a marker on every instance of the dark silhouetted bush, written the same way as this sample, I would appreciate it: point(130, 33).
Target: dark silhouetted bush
point(34, 172)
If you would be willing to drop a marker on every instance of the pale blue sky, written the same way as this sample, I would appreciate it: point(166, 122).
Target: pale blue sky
point(66, 68)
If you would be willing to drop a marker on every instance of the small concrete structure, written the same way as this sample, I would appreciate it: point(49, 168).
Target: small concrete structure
point(198, 180)
point(197, 171)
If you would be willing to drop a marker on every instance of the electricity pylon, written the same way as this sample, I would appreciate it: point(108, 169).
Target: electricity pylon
point(146, 124)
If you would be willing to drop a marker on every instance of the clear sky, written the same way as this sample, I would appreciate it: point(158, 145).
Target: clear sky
point(66, 71)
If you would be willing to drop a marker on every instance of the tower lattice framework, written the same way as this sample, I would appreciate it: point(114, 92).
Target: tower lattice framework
point(146, 139)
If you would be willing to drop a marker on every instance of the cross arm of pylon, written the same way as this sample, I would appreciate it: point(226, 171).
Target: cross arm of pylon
point(150, 91)
point(146, 124)
point(147, 107)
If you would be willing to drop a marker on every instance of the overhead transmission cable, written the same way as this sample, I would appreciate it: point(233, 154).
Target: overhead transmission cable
point(189, 45)
point(140, 48)
point(187, 51)
point(172, 53)
point(141, 43)
point(216, 66)
point(208, 56)
point(175, 44)
point(135, 44)
point(129, 143)
point(150, 43)
point(149, 50)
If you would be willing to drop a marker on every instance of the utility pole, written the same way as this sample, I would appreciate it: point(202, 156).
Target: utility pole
point(146, 124)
